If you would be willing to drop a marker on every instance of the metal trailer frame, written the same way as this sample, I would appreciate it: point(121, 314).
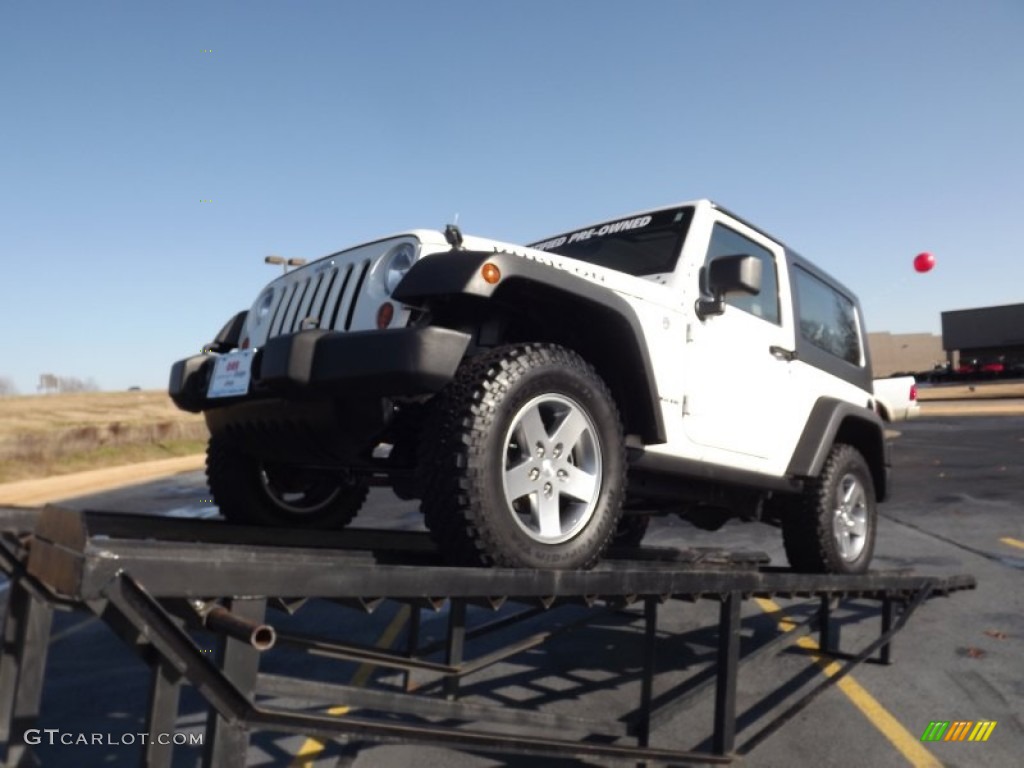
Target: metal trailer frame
point(149, 578)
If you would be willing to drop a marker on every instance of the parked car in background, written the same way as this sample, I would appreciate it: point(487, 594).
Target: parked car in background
point(992, 370)
point(896, 398)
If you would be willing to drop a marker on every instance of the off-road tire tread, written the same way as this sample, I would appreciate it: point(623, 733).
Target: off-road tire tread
point(452, 457)
point(631, 530)
point(234, 485)
point(806, 536)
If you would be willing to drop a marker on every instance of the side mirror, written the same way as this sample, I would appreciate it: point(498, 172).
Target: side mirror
point(228, 336)
point(725, 275)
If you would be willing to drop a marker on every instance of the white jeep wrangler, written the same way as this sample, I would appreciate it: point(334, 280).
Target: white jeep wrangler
point(543, 401)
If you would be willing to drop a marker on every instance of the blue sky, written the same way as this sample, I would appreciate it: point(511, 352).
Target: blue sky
point(859, 132)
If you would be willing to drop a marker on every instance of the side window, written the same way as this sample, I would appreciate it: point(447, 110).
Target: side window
point(828, 319)
point(727, 242)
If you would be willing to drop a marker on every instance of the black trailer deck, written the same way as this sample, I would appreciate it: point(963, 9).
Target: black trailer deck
point(153, 580)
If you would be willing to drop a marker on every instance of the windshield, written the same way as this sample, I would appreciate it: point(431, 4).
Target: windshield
point(642, 245)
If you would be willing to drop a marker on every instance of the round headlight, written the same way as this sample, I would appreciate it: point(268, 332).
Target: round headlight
point(398, 262)
point(263, 306)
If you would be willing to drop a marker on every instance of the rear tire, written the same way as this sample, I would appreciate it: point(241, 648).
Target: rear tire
point(527, 461)
point(831, 527)
point(631, 530)
point(251, 492)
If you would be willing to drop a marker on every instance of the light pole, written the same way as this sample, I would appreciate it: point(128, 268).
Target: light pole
point(285, 263)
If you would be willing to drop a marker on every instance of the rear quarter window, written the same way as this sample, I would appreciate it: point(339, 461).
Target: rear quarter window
point(827, 318)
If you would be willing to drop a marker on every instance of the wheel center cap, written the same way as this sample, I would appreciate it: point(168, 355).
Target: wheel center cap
point(548, 468)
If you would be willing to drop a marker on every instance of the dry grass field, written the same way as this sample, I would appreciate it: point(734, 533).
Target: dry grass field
point(44, 435)
point(47, 435)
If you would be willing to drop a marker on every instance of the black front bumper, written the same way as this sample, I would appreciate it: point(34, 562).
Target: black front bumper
point(317, 363)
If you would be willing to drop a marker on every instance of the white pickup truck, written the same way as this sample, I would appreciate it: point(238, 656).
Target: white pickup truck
point(896, 398)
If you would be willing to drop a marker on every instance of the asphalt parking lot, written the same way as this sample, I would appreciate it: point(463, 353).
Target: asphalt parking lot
point(956, 509)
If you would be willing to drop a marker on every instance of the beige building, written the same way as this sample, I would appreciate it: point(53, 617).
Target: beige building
point(905, 352)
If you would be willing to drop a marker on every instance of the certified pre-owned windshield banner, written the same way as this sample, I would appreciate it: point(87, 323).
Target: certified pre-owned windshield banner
point(585, 234)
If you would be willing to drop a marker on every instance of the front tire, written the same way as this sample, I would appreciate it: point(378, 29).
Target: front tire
point(831, 527)
point(251, 492)
point(529, 461)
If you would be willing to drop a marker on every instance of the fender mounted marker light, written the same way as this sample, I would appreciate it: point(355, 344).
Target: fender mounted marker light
point(490, 273)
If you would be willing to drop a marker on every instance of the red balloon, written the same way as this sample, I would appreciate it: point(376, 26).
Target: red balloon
point(924, 262)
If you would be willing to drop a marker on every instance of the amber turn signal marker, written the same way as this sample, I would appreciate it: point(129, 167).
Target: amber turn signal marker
point(490, 273)
point(385, 314)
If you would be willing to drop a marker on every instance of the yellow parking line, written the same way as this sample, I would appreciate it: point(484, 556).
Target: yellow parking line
point(308, 752)
point(1012, 542)
point(906, 743)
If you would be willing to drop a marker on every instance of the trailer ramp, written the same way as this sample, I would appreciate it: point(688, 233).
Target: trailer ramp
point(155, 581)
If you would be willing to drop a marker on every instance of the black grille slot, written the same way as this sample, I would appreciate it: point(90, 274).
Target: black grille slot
point(292, 321)
point(281, 311)
point(355, 294)
point(293, 306)
point(325, 306)
point(340, 301)
point(313, 311)
point(305, 301)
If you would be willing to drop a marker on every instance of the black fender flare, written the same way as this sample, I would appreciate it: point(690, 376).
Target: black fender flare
point(458, 272)
point(833, 421)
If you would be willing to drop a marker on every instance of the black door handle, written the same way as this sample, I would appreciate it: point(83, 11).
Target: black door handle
point(782, 353)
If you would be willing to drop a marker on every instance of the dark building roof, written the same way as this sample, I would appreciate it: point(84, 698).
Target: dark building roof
point(983, 327)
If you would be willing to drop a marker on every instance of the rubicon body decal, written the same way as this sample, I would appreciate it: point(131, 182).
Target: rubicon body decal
point(583, 270)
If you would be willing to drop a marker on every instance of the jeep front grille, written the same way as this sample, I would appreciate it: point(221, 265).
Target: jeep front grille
point(326, 299)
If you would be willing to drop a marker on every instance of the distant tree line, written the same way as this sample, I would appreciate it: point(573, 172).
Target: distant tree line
point(48, 382)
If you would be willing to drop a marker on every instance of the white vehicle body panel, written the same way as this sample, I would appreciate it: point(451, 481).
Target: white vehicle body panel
point(726, 395)
point(894, 398)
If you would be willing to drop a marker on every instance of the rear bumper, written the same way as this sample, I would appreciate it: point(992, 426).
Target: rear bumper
point(328, 364)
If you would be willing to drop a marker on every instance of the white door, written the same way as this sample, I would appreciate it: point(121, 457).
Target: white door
point(740, 396)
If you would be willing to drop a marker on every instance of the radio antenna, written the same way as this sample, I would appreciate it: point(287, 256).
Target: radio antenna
point(453, 234)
